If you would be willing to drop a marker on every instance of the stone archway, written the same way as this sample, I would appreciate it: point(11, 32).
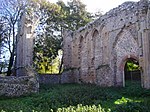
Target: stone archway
point(131, 70)
point(130, 74)
point(123, 49)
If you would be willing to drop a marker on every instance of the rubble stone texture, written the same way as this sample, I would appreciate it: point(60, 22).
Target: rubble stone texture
point(17, 86)
point(97, 52)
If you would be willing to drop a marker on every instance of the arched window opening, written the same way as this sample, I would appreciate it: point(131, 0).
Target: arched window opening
point(80, 46)
point(94, 36)
point(95, 33)
point(81, 42)
point(132, 71)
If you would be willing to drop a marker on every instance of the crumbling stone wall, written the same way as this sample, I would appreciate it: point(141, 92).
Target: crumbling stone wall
point(16, 86)
point(99, 50)
point(26, 80)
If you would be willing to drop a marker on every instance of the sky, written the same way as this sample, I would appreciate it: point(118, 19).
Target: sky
point(100, 5)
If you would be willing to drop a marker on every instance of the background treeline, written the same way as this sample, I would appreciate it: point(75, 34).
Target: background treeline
point(54, 19)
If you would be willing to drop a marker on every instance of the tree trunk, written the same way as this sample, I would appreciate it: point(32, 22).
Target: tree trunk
point(11, 60)
point(12, 54)
point(61, 61)
point(61, 64)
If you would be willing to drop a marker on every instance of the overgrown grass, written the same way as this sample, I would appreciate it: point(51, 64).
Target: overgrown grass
point(81, 98)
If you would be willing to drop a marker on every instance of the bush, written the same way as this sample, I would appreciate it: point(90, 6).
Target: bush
point(131, 107)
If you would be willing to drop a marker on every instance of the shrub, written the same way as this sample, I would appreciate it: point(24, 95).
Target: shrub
point(131, 107)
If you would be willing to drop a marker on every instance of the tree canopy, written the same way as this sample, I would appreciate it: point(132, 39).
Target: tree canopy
point(55, 18)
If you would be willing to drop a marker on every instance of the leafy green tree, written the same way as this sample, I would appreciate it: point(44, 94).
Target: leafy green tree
point(45, 51)
point(78, 16)
point(47, 43)
point(132, 66)
point(56, 18)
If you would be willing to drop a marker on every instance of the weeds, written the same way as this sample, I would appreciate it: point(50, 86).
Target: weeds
point(80, 98)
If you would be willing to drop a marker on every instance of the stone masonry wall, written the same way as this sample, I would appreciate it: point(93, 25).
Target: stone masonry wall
point(17, 86)
point(49, 78)
point(100, 49)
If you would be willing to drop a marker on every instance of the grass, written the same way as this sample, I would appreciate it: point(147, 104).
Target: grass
point(81, 98)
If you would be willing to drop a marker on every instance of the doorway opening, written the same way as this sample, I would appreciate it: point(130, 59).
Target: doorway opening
point(132, 73)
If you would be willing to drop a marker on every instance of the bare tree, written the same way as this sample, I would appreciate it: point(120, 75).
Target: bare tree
point(10, 14)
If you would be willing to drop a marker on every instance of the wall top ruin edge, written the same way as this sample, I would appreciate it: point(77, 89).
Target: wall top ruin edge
point(127, 7)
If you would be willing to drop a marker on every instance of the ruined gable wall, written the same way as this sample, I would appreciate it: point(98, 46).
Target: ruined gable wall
point(109, 24)
point(101, 59)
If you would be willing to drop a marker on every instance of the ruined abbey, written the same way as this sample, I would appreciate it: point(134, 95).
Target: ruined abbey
point(97, 52)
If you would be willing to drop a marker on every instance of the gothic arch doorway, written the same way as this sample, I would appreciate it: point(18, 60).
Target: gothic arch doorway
point(132, 71)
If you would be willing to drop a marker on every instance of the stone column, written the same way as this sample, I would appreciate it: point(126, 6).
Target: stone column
point(145, 35)
point(146, 60)
point(24, 52)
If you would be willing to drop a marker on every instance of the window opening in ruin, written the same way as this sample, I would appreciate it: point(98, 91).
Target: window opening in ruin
point(80, 47)
point(132, 71)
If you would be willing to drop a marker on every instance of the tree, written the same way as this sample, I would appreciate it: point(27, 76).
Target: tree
point(45, 50)
point(47, 43)
point(56, 18)
point(3, 35)
point(11, 12)
point(132, 65)
point(97, 14)
point(78, 16)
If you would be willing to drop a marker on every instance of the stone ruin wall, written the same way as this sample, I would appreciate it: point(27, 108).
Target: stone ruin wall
point(93, 54)
point(16, 86)
point(26, 80)
point(96, 53)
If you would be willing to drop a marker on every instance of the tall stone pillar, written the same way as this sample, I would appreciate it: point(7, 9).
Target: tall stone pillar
point(24, 52)
point(67, 49)
point(146, 59)
point(145, 36)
